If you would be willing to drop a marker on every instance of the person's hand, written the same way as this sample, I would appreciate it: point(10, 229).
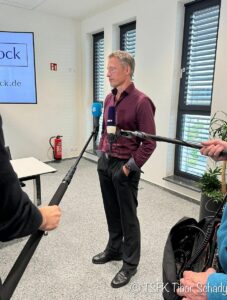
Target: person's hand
point(213, 148)
point(125, 170)
point(193, 285)
point(51, 217)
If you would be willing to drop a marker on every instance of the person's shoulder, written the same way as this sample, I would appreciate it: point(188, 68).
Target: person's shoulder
point(142, 98)
point(107, 99)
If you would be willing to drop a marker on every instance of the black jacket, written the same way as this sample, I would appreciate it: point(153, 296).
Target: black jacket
point(18, 215)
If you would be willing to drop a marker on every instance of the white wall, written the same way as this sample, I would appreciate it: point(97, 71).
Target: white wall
point(159, 36)
point(28, 127)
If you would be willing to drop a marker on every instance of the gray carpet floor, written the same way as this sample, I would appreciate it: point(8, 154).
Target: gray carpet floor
point(61, 267)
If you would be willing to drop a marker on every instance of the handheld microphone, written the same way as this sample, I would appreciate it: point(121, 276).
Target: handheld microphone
point(96, 112)
point(111, 126)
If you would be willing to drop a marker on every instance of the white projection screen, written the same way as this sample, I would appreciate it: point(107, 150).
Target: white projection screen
point(17, 68)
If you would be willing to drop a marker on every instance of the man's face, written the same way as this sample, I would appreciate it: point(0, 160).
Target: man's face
point(117, 73)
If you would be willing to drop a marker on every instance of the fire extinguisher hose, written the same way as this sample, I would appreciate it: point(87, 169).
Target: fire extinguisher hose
point(50, 139)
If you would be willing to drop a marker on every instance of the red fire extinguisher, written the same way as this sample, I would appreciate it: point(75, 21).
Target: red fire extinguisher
point(56, 146)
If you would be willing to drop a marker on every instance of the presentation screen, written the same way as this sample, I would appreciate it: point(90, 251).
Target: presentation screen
point(17, 68)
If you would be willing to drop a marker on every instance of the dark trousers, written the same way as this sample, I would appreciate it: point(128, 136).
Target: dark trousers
point(119, 194)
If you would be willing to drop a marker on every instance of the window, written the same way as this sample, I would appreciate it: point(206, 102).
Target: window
point(196, 86)
point(128, 38)
point(98, 75)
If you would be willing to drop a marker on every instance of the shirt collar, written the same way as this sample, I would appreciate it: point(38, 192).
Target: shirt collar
point(127, 91)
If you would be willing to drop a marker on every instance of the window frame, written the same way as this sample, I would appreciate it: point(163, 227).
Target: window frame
point(183, 108)
point(123, 29)
point(96, 37)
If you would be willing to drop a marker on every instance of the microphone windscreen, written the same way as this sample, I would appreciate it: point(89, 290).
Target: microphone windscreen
point(96, 109)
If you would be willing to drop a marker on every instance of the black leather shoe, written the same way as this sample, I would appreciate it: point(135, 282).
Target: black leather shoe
point(105, 256)
point(122, 278)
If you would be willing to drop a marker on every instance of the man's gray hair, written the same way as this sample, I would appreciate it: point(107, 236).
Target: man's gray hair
point(125, 58)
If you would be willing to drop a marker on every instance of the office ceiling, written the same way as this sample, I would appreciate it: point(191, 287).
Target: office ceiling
point(76, 9)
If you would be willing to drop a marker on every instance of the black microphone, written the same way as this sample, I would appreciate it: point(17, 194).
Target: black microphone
point(111, 126)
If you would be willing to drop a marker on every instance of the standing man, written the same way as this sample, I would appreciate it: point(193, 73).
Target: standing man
point(119, 166)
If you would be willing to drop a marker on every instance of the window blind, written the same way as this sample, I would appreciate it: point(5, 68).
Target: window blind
point(128, 38)
point(201, 56)
point(98, 75)
point(195, 129)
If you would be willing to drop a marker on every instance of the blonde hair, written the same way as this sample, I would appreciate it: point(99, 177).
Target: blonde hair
point(125, 58)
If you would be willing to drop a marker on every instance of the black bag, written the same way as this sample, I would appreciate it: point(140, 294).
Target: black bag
point(190, 246)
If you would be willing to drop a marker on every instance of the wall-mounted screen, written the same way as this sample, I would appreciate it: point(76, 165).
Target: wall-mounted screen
point(17, 68)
